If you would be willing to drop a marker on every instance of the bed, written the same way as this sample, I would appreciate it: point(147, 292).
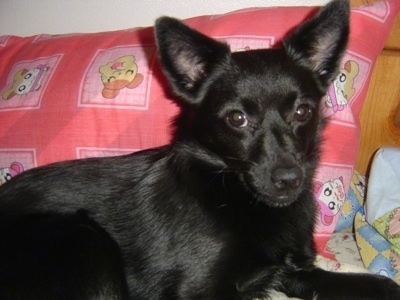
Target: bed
point(380, 128)
point(57, 102)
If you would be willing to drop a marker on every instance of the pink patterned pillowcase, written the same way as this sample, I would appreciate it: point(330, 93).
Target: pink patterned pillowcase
point(80, 95)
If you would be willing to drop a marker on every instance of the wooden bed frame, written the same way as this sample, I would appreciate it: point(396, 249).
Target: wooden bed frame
point(380, 115)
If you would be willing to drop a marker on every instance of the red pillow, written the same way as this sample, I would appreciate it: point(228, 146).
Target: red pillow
point(73, 96)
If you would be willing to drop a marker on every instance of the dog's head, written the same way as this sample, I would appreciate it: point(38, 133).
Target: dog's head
point(256, 113)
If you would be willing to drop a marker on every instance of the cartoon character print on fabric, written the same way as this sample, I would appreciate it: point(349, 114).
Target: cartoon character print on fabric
point(342, 89)
point(393, 227)
point(118, 78)
point(388, 226)
point(361, 185)
point(119, 74)
point(330, 197)
point(353, 203)
point(26, 81)
point(7, 173)
point(395, 264)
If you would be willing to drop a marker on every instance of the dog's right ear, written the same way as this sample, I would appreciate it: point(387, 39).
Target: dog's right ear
point(321, 42)
point(187, 57)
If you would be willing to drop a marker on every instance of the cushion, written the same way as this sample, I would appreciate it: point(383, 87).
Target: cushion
point(80, 95)
point(355, 199)
point(377, 224)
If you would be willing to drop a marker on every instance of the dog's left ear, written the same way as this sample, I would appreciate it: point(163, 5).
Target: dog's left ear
point(321, 42)
point(188, 57)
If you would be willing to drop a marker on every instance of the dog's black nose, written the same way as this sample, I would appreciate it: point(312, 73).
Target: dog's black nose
point(286, 178)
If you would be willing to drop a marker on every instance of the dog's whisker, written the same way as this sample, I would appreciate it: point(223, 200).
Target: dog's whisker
point(240, 160)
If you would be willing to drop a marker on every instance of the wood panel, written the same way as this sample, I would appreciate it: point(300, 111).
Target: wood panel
point(380, 114)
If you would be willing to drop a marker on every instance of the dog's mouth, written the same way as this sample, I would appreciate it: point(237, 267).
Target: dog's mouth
point(274, 200)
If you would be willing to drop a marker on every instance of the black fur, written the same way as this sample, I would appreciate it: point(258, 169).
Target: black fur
point(225, 211)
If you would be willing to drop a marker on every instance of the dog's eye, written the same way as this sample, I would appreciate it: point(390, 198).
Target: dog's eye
point(303, 113)
point(237, 119)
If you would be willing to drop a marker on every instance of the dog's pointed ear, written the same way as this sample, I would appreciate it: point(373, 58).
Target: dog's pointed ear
point(321, 42)
point(187, 56)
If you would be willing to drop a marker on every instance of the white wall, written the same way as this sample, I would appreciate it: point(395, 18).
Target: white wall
point(29, 17)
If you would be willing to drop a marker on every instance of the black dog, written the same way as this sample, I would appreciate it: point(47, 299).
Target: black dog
point(225, 211)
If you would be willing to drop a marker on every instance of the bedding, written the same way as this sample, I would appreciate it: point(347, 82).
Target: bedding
point(342, 244)
point(377, 222)
point(80, 95)
point(367, 233)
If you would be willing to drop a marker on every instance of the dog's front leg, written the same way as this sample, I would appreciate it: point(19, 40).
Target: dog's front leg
point(320, 284)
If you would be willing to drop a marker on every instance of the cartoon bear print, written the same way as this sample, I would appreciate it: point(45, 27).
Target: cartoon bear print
point(26, 81)
point(118, 74)
point(7, 173)
point(342, 89)
point(330, 196)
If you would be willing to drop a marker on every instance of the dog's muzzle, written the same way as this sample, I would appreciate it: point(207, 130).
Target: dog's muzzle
point(280, 188)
